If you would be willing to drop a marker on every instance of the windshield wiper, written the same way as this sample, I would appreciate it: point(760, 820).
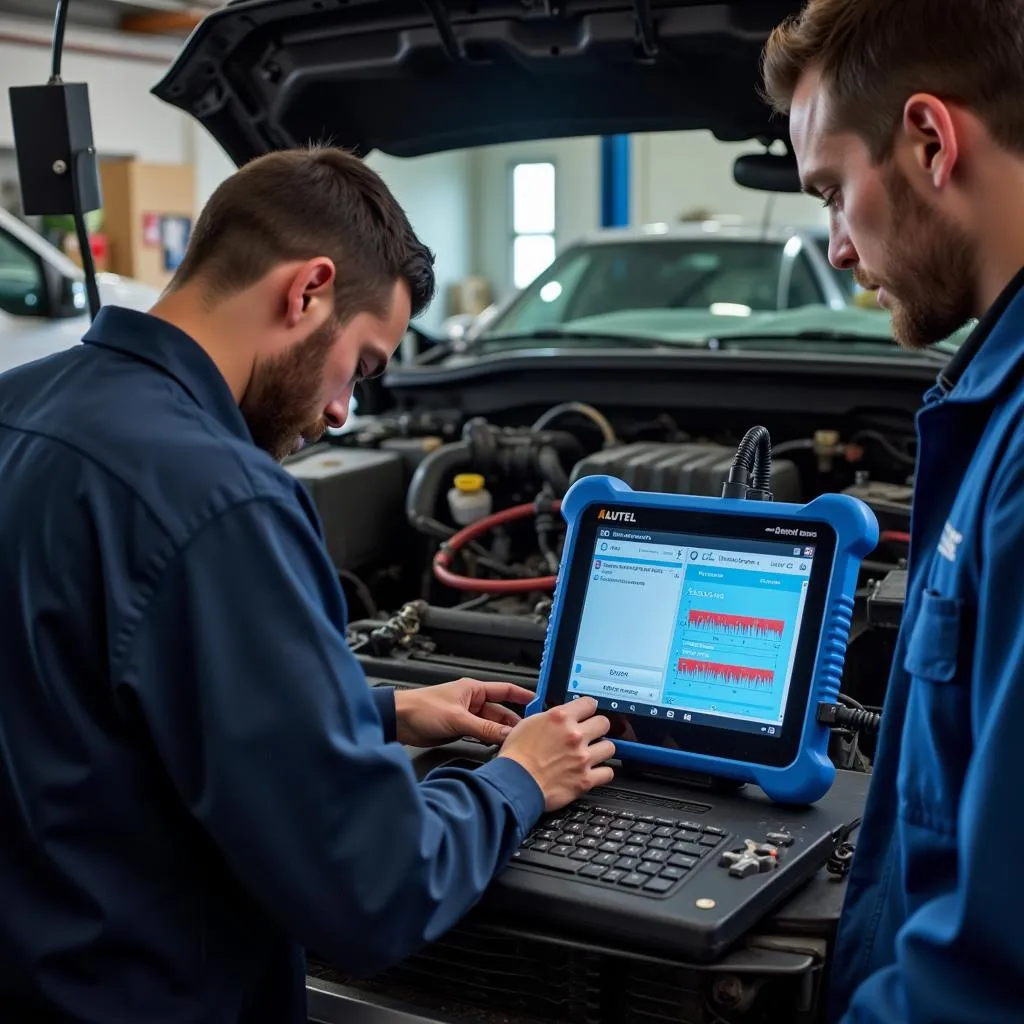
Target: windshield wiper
point(819, 334)
point(557, 334)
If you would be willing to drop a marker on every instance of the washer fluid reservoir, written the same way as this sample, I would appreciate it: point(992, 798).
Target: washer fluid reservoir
point(469, 500)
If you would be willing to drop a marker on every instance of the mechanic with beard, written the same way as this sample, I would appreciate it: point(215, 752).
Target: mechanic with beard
point(907, 119)
point(196, 782)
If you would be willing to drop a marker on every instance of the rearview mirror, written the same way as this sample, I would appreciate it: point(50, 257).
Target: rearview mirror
point(767, 172)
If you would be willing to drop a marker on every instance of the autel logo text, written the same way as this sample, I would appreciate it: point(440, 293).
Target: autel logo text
point(616, 516)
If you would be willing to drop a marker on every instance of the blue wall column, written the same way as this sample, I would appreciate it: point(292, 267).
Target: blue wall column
point(615, 152)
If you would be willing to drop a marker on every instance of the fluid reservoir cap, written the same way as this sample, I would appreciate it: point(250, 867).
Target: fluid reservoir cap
point(469, 483)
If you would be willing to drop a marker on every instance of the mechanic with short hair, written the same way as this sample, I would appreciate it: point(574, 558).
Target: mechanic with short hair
point(907, 119)
point(196, 781)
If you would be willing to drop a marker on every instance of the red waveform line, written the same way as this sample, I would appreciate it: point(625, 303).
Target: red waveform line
point(744, 625)
point(718, 672)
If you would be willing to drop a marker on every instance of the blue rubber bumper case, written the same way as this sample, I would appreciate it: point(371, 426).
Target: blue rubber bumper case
point(810, 774)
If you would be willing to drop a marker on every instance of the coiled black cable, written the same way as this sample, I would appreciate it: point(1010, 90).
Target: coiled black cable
point(858, 719)
point(750, 475)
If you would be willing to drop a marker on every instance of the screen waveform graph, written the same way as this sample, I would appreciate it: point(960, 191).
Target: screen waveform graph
point(722, 623)
point(741, 676)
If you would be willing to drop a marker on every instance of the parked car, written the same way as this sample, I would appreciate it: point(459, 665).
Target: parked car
point(709, 267)
point(43, 306)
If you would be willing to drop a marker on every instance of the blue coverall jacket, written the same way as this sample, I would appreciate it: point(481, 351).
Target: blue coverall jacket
point(196, 782)
point(933, 924)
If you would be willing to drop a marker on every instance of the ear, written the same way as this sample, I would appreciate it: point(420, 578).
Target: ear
point(310, 293)
point(930, 131)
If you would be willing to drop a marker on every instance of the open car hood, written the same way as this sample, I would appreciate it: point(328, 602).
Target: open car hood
point(410, 77)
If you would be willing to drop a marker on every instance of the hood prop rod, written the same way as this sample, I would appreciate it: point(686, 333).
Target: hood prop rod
point(444, 30)
point(645, 27)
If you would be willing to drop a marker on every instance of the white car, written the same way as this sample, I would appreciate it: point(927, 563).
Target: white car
point(730, 269)
point(43, 306)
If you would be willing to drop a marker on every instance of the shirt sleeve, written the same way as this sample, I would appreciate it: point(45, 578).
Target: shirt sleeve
point(268, 729)
point(958, 957)
point(384, 699)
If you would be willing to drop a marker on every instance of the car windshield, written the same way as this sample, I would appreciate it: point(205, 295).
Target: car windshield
point(774, 293)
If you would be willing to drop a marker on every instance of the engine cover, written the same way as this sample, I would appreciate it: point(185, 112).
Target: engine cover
point(689, 468)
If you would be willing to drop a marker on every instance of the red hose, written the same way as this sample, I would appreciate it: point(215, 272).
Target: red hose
point(894, 536)
point(459, 540)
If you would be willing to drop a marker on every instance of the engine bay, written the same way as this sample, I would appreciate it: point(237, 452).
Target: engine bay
point(446, 534)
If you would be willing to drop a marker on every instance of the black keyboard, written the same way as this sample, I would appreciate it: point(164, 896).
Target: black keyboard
point(651, 855)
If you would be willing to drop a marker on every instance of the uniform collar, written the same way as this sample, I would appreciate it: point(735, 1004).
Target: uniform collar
point(992, 350)
point(154, 341)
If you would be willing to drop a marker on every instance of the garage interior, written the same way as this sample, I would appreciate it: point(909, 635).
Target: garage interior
point(528, 374)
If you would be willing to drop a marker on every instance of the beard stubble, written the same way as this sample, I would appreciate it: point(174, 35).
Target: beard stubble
point(280, 403)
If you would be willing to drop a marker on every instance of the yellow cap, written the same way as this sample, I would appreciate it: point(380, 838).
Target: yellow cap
point(469, 482)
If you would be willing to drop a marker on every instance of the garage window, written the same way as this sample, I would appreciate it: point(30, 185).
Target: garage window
point(533, 220)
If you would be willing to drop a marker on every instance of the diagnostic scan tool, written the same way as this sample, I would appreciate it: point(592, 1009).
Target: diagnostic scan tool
point(708, 629)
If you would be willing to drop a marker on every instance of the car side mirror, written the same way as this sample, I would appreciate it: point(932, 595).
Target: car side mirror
point(67, 295)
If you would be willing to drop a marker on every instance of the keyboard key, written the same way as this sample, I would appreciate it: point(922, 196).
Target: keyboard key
point(591, 871)
point(664, 832)
point(602, 819)
point(656, 856)
point(605, 858)
point(646, 817)
point(691, 825)
point(610, 847)
point(622, 824)
point(596, 831)
point(545, 860)
point(642, 828)
point(547, 835)
point(561, 850)
point(689, 848)
point(583, 855)
point(632, 851)
point(710, 840)
point(686, 835)
point(587, 844)
point(609, 812)
point(612, 875)
point(633, 880)
point(616, 835)
point(556, 823)
point(575, 827)
point(658, 843)
point(658, 885)
point(567, 839)
point(540, 847)
point(579, 816)
point(647, 868)
point(672, 872)
point(627, 863)
point(668, 822)
point(713, 830)
point(679, 860)
point(624, 814)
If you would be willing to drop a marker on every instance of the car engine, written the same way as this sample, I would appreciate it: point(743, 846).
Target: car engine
point(446, 535)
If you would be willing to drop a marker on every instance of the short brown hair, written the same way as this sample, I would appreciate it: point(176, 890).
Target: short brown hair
point(301, 203)
point(874, 54)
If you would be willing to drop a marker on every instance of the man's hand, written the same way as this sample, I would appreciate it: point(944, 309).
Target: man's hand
point(564, 750)
point(434, 715)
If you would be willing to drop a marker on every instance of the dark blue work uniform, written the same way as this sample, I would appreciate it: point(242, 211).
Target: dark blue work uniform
point(932, 927)
point(196, 782)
